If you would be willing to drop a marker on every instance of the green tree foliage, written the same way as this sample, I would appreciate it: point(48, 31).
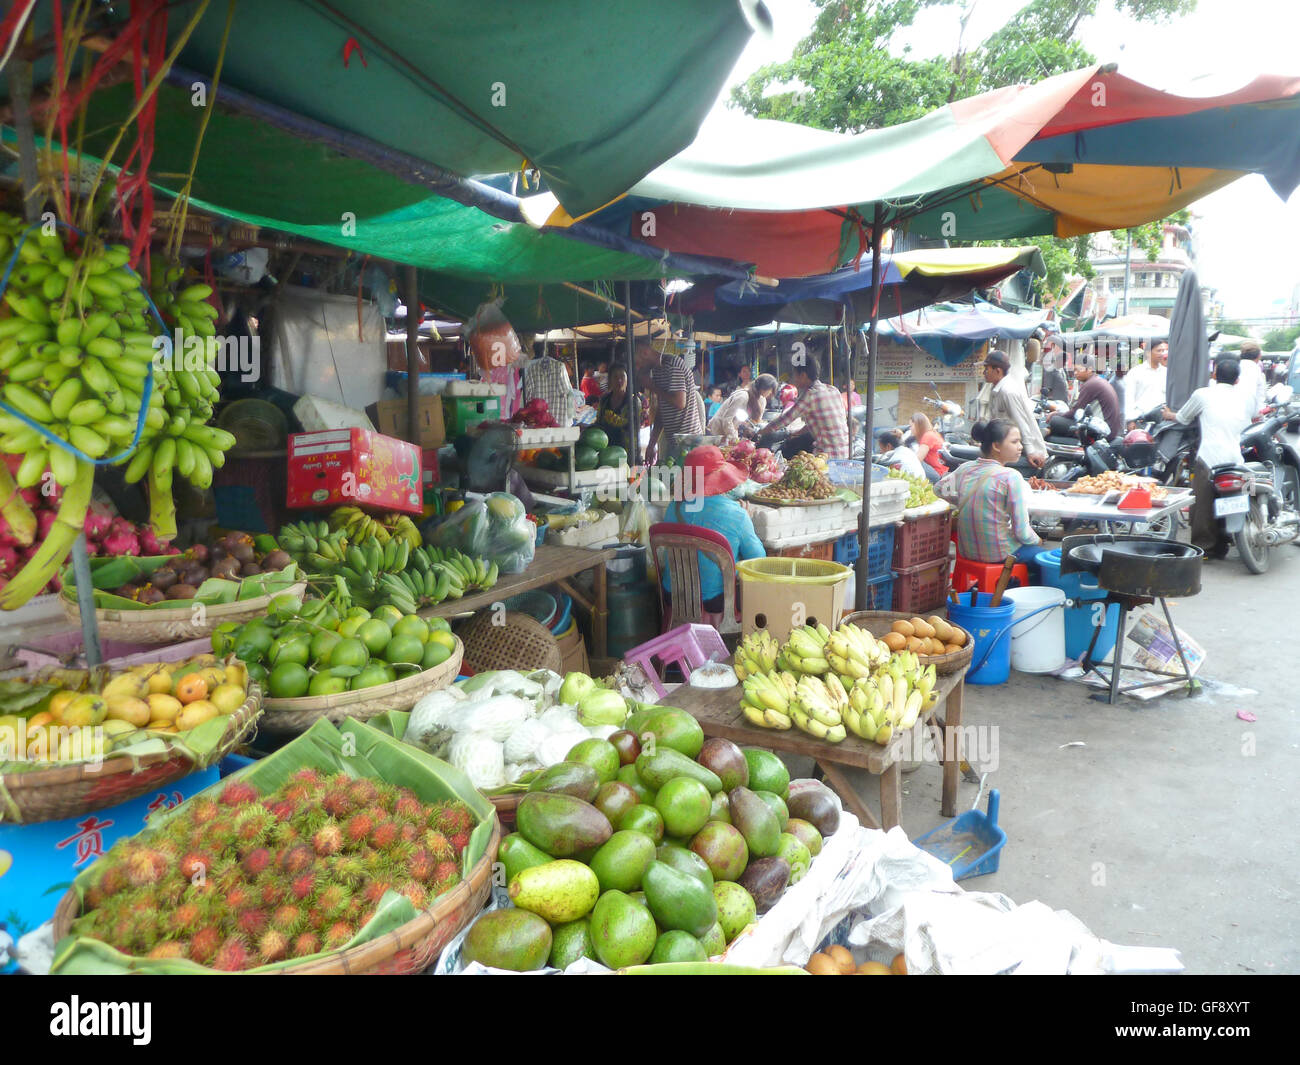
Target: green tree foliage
point(1281, 339)
point(853, 73)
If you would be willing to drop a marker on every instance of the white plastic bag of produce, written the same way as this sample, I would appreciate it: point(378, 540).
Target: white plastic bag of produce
point(432, 713)
point(497, 717)
point(521, 745)
point(480, 758)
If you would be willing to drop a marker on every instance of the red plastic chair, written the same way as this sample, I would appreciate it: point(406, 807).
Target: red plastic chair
point(968, 574)
point(681, 546)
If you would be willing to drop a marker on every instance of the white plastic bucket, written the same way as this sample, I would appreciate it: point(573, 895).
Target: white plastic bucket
point(1038, 642)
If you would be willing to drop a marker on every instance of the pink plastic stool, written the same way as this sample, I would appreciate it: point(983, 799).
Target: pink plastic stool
point(687, 646)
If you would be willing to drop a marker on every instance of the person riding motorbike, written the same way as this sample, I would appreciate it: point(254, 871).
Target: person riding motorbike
point(1221, 413)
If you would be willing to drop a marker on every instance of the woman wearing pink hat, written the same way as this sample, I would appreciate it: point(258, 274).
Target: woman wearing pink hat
point(708, 478)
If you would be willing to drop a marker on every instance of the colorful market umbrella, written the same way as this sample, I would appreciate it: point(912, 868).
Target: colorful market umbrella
point(952, 334)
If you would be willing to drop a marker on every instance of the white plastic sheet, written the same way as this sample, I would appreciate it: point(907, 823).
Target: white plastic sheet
point(319, 351)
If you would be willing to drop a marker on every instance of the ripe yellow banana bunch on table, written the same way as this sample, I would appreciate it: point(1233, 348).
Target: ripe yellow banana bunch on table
point(756, 653)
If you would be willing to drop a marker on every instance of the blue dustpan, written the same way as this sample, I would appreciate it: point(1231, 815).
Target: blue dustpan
point(971, 843)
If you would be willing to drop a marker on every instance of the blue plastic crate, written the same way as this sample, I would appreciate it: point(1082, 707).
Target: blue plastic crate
point(880, 593)
point(880, 550)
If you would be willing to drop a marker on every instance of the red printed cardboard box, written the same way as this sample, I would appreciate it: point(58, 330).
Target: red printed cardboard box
point(357, 466)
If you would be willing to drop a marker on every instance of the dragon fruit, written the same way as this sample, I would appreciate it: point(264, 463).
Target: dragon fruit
point(98, 524)
point(120, 543)
point(745, 447)
point(8, 561)
point(151, 545)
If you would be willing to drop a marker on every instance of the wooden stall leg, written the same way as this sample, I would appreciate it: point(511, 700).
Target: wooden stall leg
point(841, 786)
point(599, 615)
point(951, 749)
point(891, 796)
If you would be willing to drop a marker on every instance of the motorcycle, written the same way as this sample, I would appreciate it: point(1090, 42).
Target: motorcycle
point(1257, 504)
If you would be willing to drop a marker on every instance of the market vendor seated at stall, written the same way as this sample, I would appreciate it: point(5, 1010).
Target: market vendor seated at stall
point(708, 477)
point(611, 415)
point(890, 442)
point(992, 500)
point(821, 407)
point(751, 400)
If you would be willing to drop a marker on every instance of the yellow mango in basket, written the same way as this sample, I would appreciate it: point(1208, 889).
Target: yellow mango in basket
point(163, 707)
point(195, 714)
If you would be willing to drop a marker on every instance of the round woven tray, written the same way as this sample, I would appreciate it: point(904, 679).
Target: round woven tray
point(515, 642)
point(173, 625)
point(406, 950)
point(63, 791)
point(298, 715)
point(877, 622)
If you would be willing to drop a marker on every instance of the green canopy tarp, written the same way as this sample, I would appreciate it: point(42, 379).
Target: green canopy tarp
point(593, 93)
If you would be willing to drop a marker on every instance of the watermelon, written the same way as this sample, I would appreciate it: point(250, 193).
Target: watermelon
point(612, 456)
point(594, 438)
point(585, 458)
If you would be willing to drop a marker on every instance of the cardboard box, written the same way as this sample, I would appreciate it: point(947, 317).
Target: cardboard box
point(462, 413)
point(355, 466)
point(390, 416)
point(781, 604)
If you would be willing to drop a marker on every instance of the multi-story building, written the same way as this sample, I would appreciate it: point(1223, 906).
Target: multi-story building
point(1153, 285)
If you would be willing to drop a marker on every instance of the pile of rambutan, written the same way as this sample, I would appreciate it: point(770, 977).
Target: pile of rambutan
point(245, 879)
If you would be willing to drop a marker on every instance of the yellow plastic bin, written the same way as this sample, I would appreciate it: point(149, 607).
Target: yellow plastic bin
point(782, 594)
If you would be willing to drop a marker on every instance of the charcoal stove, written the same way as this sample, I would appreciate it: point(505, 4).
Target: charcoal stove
point(1135, 571)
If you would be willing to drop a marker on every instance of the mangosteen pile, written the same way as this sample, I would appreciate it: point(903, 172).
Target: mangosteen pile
point(231, 558)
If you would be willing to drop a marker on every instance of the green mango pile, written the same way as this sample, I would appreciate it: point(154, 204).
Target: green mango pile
point(652, 846)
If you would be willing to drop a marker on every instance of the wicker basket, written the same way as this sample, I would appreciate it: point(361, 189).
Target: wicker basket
point(174, 625)
point(298, 715)
point(64, 791)
point(877, 622)
point(521, 643)
point(506, 805)
point(412, 948)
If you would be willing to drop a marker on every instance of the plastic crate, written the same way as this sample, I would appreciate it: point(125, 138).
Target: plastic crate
point(880, 593)
point(921, 589)
point(880, 551)
point(923, 540)
point(461, 413)
point(824, 551)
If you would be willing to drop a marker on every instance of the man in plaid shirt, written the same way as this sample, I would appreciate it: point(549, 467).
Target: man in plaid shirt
point(822, 409)
point(547, 378)
point(675, 409)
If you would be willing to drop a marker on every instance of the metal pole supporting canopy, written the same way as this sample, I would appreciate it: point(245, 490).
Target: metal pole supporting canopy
point(863, 566)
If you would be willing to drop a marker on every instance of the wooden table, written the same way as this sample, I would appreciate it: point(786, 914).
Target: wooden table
point(551, 565)
point(718, 712)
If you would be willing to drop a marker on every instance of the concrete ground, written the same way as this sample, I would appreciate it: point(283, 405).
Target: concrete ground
point(1175, 824)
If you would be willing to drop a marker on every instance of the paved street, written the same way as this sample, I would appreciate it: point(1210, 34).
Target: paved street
point(1164, 829)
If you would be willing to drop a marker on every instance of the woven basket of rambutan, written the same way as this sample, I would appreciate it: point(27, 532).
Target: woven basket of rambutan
point(44, 788)
point(325, 873)
point(298, 715)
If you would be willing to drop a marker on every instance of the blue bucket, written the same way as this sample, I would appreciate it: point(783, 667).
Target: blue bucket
point(989, 625)
point(1082, 619)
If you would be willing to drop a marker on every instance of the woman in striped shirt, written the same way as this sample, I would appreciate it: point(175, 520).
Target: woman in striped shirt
point(992, 499)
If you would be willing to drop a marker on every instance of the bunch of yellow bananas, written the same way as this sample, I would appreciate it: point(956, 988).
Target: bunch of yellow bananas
point(766, 702)
point(891, 699)
point(818, 706)
point(804, 651)
point(755, 654)
point(853, 653)
point(362, 526)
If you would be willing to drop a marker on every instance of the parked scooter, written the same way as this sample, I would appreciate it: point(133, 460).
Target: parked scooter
point(1258, 504)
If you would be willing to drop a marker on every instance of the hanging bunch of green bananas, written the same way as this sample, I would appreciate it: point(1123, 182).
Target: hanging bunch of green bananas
point(74, 346)
point(176, 437)
point(358, 525)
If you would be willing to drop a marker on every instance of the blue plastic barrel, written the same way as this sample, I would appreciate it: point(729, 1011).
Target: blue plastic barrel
point(991, 662)
point(1083, 619)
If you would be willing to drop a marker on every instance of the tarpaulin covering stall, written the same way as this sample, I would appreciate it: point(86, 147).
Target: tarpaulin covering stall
point(578, 90)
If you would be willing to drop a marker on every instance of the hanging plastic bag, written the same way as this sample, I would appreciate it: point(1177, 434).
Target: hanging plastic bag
point(495, 527)
point(492, 338)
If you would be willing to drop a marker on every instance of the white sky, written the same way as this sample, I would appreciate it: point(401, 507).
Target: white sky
point(1247, 239)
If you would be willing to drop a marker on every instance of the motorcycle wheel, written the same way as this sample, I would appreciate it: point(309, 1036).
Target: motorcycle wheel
point(1058, 470)
point(1180, 476)
point(1249, 539)
point(1166, 527)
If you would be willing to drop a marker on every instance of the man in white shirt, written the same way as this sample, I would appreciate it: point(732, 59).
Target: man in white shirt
point(1144, 384)
point(1251, 383)
point(1221, 415)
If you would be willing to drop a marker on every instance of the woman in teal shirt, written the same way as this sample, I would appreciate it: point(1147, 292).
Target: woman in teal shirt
point(708, 477)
